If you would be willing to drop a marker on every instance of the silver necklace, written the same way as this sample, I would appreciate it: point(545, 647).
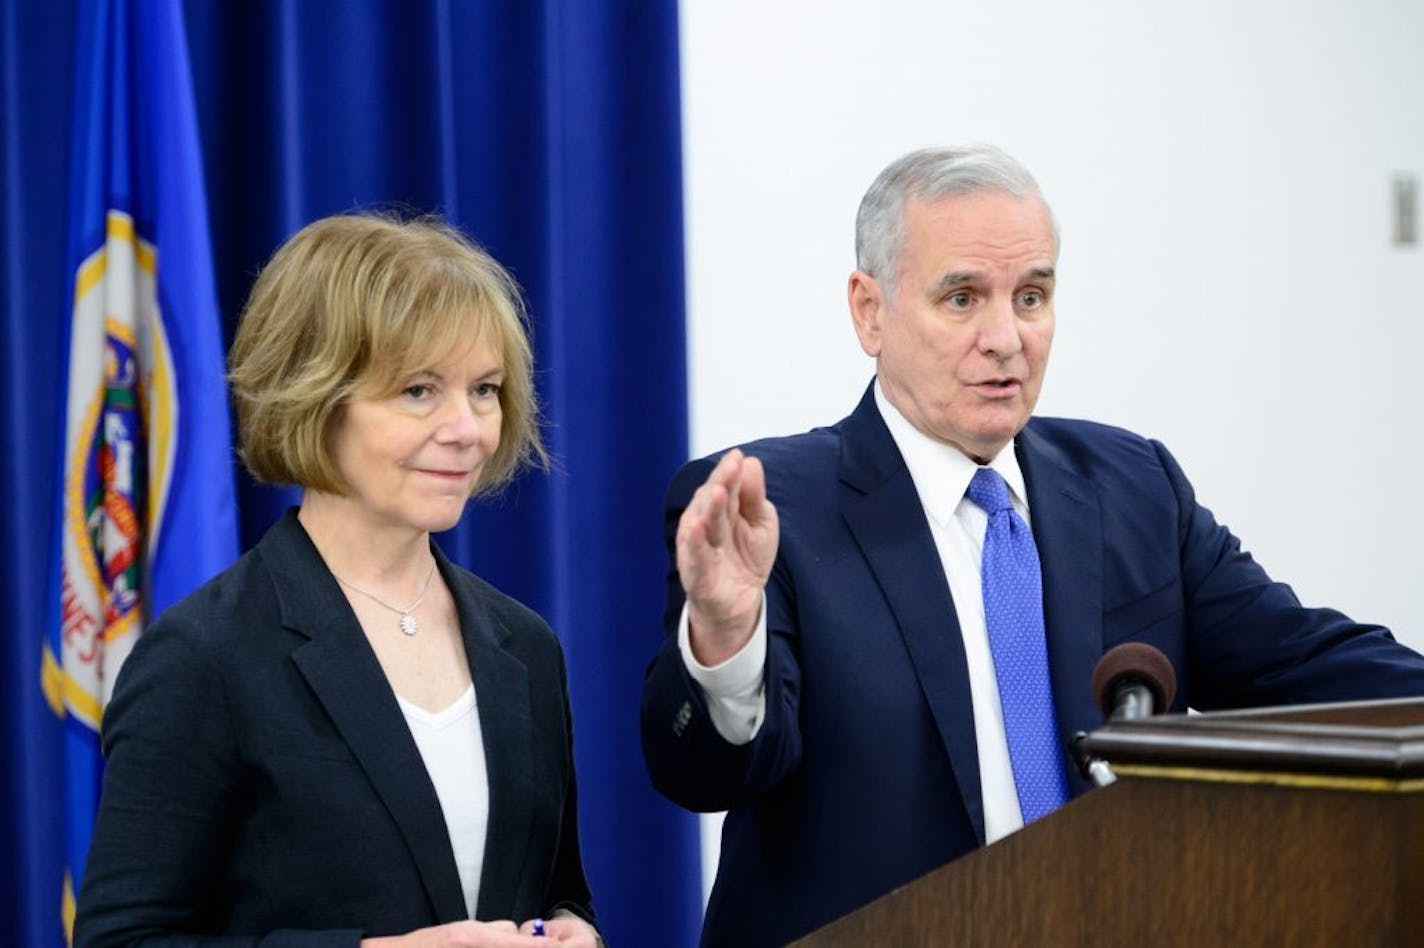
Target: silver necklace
point(408, 623)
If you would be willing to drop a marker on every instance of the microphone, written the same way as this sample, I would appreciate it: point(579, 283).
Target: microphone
point(1132, 681)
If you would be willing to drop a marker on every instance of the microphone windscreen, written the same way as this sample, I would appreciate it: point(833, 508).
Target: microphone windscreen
point(1136, 661)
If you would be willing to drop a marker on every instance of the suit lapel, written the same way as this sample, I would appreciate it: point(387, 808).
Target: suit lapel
point(888, 521)
point(343, 672)
point(502, 693)
point(1067, 527)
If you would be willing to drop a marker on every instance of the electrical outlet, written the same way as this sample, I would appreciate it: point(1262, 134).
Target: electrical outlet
point(1406, 210)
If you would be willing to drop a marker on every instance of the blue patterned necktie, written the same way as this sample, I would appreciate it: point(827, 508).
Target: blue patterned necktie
point(1013, 612)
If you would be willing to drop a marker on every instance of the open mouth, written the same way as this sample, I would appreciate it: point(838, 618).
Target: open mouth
point(998, 390)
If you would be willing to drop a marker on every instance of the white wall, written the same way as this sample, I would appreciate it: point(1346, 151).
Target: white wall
point(1221, 180)
point(1220, 171)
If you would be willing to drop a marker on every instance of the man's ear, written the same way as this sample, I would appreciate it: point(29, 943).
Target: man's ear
point(867, 304)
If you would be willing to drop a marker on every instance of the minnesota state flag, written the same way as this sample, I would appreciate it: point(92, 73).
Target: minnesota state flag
point(148, 511)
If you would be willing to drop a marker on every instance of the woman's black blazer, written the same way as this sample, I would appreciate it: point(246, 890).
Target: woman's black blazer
point(261, 780)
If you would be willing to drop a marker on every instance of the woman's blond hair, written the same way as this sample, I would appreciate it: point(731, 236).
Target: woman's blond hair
point(356, 304)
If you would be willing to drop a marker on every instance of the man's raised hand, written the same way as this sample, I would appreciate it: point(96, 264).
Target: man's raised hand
point(726, 543)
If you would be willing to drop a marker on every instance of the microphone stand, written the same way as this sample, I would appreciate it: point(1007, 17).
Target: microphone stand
point(1132, 701)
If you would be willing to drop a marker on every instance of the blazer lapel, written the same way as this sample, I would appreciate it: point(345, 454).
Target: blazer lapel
point(1067, 527)
point(506, 728)
point(888, 522)
point(347, 679)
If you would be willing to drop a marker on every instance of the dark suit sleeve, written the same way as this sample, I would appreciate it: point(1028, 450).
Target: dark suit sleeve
point(171, 792)
point(1251, 641)
point(688, 760)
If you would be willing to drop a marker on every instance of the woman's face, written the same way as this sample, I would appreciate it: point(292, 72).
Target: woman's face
point(411, 460)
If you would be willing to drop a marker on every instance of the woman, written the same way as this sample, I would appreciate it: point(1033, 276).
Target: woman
point(344, 738)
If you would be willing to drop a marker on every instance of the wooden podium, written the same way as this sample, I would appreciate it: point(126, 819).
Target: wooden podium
point(1289, 826)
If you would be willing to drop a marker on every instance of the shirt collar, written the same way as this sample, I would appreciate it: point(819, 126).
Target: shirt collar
point(942, 473)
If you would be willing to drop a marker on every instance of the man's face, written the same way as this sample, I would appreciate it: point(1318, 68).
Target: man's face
point(962, 350)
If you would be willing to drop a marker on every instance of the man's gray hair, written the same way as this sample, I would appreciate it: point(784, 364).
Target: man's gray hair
point(929, 175)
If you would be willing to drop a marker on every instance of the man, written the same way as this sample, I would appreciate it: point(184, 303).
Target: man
point(881, 634)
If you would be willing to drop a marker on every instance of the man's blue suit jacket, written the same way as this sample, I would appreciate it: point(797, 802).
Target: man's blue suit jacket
point(865, 772)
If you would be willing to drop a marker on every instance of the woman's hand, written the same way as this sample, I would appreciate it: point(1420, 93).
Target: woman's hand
point(565, 930)
point(501, 934)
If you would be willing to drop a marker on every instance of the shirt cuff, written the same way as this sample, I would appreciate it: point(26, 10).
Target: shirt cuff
point(736, 688)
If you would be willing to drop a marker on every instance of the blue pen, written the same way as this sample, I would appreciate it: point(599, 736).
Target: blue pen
point(538, 928)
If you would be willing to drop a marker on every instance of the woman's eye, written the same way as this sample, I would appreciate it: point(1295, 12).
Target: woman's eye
point(417, 392)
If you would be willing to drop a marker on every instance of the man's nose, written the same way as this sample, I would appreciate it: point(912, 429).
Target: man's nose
point(999, 329)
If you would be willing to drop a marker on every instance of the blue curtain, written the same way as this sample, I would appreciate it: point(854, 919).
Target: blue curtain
point(550, 131)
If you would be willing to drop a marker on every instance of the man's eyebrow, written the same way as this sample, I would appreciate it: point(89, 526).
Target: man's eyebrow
point(970, 277)
point(958, 278)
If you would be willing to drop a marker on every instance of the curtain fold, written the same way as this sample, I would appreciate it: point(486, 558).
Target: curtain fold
point(549, 131)
point(36, 59)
